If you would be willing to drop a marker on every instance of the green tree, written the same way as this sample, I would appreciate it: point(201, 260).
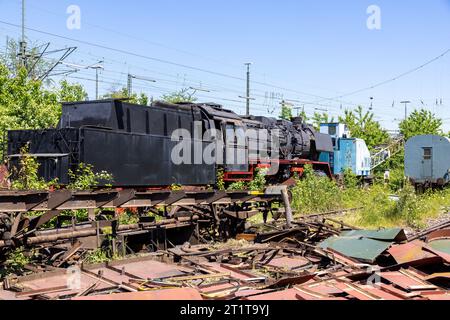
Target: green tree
point(180, 96)
point(421, 122)
point(320, 118)
point(304, 116)
point(71, 92)
point(36, 66)
point(362, 125)
point(286, 111)
point(25, 104)
point(141, 99)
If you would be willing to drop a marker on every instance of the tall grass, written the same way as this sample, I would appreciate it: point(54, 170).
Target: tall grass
point(314, 194)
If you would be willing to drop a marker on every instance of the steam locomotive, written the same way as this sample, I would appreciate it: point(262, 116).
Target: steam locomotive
point(136, 144)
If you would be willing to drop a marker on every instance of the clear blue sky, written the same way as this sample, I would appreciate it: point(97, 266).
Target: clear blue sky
point(310, 51)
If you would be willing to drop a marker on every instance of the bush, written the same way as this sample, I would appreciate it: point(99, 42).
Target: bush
point(26, 177)
point(84, 178)
point(257, 184)
point(313, 194)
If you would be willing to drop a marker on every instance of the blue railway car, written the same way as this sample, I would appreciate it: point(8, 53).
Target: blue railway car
point(427, 161)
point(349, 153)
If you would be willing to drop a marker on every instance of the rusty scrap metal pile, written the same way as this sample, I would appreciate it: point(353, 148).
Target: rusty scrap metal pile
point(318, 258)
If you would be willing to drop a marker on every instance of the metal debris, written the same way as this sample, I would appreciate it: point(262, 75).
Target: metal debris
point(317, 259)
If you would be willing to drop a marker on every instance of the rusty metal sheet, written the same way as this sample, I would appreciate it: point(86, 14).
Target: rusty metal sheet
point(391, 289)
point(407, 281)
point(325, 288)
point(434, 276)
point(306, 294)
point(151, 269)
point(289, 294)
point(443, 255)
point(250, 292)
point(61, 280)
point(114, 276)
point(438, 296)
point(439, 234)
point(214, 288)
point(184, 294)
point(412, 253)
point(287, 263)
point(221, 268)
point(378, 292)
point(353, 290)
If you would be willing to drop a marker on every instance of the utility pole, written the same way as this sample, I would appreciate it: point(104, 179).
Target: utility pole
point(97, 67)
point(23, 43)
point(130, 82)
point(96, 83)
point(406, 108)
point(247, 97)
point(248, 88)
point(130, 85)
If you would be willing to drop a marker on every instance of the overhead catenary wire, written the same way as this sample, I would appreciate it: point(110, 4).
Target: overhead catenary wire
point(137, 55)
point(317, 103)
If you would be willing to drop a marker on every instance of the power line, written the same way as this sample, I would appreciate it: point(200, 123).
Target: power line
point(395, 78)
point(170, 62)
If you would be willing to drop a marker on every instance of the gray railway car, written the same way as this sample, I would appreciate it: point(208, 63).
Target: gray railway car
point(427, 161)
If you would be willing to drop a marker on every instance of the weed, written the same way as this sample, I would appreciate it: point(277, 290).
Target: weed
point(84, 178)
point(315, 194)
point(27, 177)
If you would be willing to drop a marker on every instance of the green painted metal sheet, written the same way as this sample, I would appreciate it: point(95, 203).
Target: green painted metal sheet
point(396, 235)
point(441, 245)
point(360, 248)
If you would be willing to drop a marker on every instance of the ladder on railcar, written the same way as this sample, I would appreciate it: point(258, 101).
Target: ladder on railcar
point(383, 155)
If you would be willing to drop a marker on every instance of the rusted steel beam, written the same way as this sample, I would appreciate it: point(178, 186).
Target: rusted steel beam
point(426, 232)
point(13, 202)
point(67, 234)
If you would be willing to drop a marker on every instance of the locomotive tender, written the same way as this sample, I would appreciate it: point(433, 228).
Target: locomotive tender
point(135, 144)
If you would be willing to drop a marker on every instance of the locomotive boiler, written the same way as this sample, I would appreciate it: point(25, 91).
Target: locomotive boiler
point(135, 144)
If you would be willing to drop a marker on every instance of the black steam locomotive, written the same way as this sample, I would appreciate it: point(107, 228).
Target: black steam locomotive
point(135, 144)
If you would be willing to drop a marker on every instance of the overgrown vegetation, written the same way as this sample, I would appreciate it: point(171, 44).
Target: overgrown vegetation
point(15, 262)
point(100, 255)
point(183, 95)
point(257, 184)
point(141, 99)
point(314, 194)
point(27, 177)
point(27, 104)
point(286, 111)
point(84, 178)
point(362, 125)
